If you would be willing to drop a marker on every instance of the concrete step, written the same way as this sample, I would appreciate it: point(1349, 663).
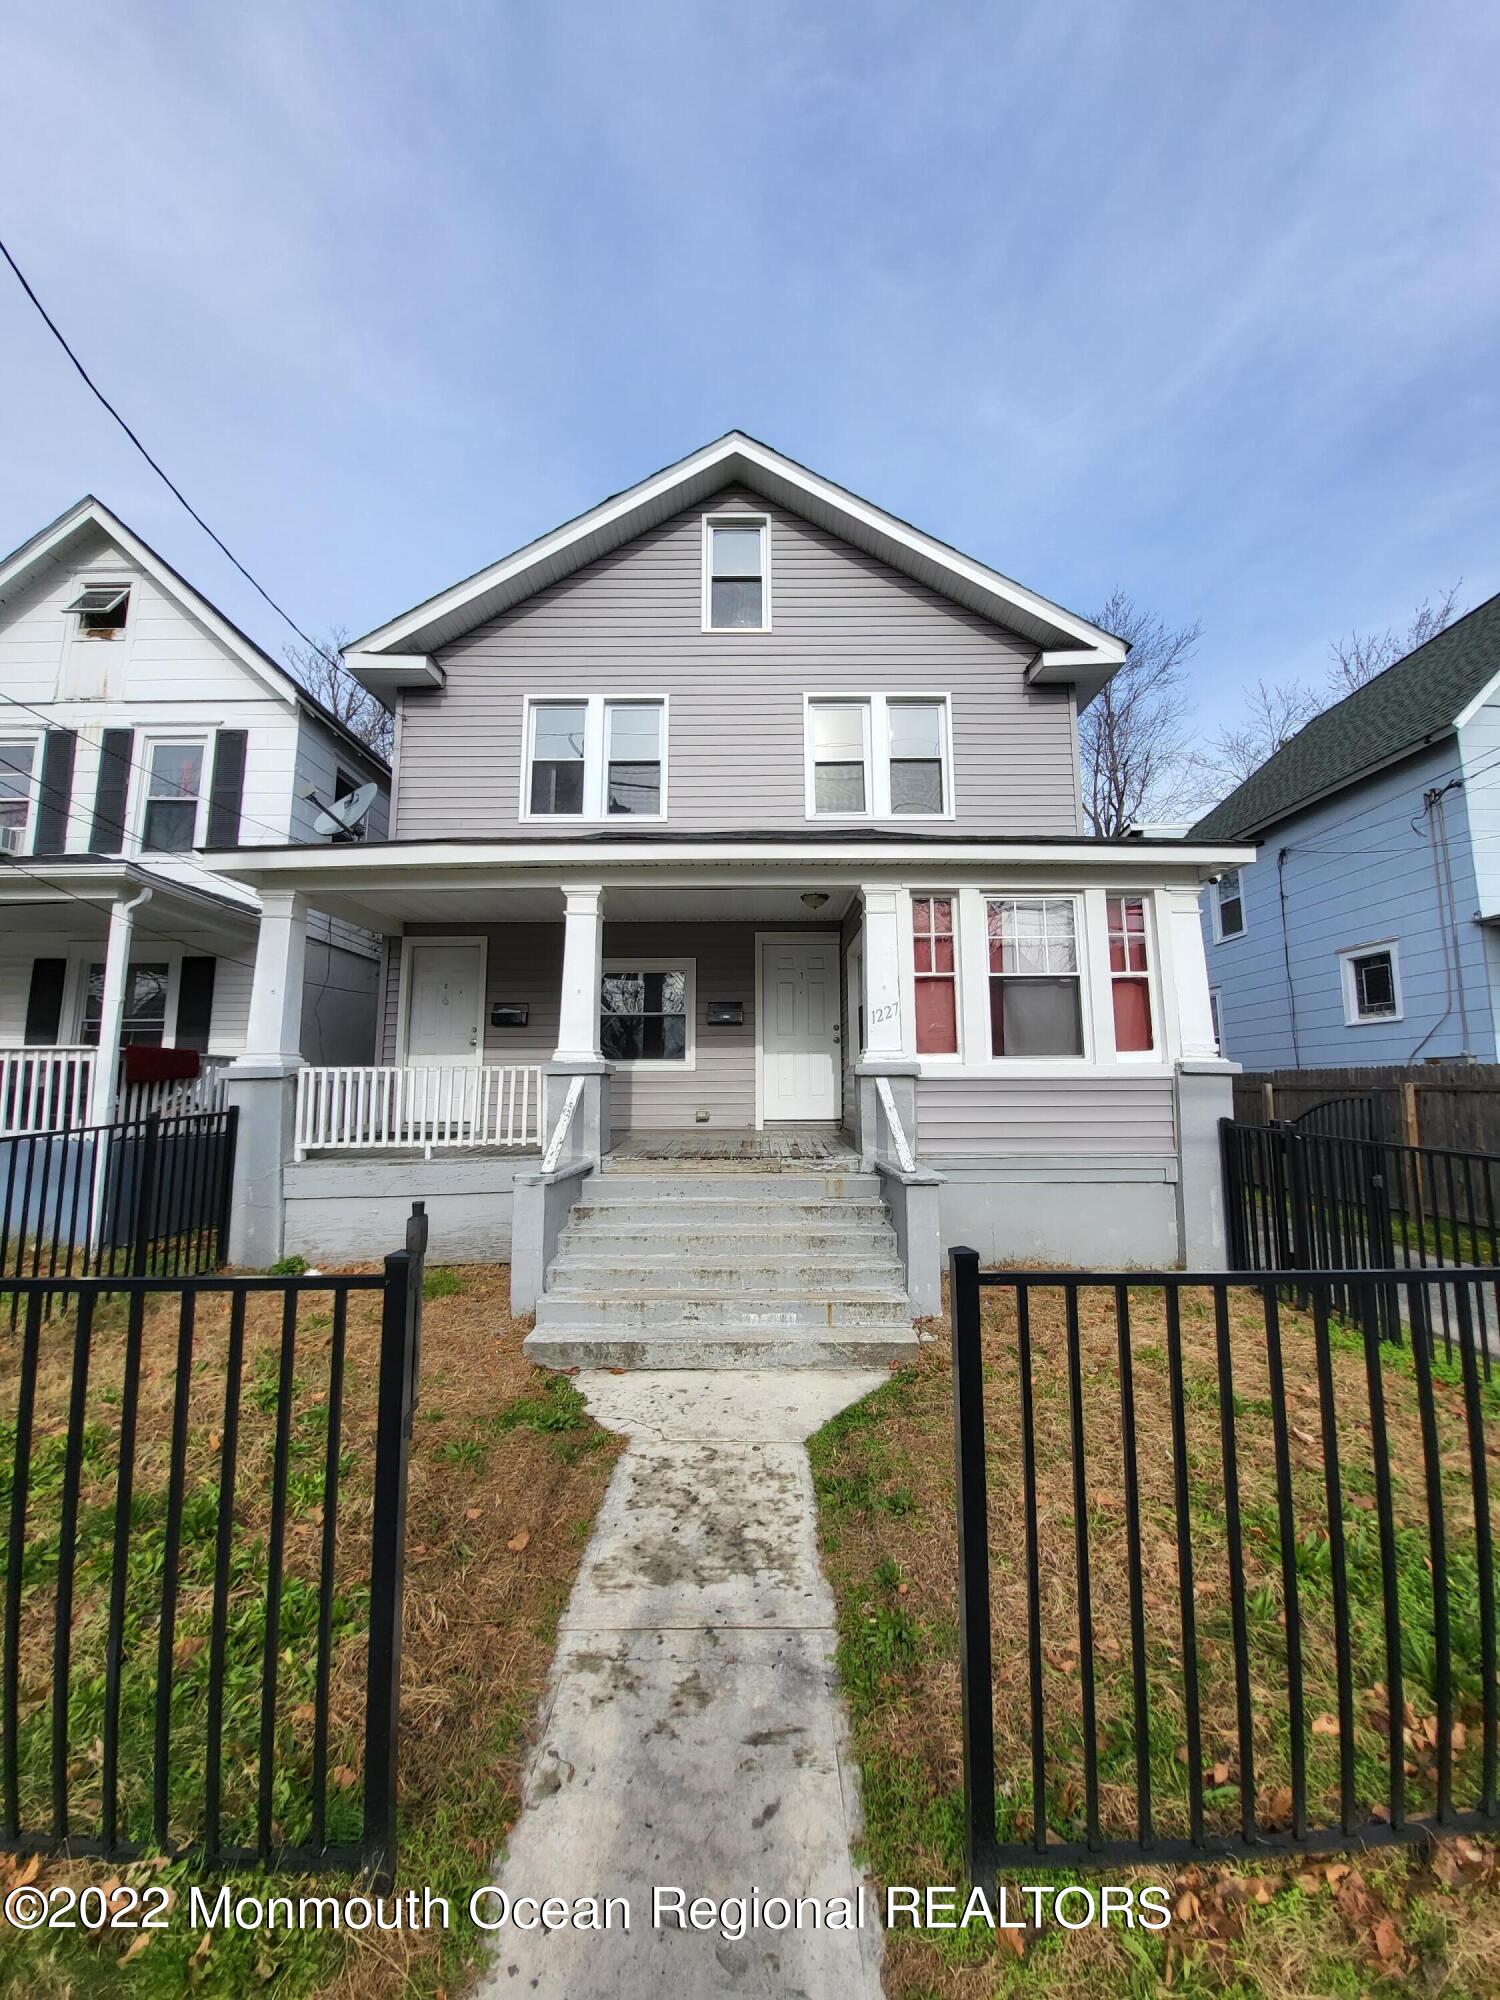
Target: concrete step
point(578, 1270)
point(723, 1347)
point(732, 1186)
point(733, 1213)
point(652, 1308)
point(622, 1239)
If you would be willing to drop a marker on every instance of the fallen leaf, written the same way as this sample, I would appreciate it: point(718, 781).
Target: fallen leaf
point(138, 1945)
point(1388, 1942)
point(1325, 1725)
point(344, 1777)
point(1014, 1941)
point(471, 1513)
point(519, 1541)
point(304, 1712)
point(1187, 1907)
point(205, 1946)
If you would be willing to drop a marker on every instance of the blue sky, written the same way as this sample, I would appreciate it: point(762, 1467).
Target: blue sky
point(1198, 300)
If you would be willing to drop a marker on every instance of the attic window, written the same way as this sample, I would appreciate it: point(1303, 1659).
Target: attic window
point(736, 579)
point(101, 609)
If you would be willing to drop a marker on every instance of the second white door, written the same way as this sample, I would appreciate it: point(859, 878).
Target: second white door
point(799, 1029)
point(446, 987)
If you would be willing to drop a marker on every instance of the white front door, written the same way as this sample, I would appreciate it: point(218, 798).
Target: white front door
point(445, 996)
point(799, 1028)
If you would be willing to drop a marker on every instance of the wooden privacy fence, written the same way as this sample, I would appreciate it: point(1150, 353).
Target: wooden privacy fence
point(1451, 1105)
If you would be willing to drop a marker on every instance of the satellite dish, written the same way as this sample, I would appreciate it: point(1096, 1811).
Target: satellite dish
point(345, 818)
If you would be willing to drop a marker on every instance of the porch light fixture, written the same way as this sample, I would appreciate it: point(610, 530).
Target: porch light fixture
point(814, 898)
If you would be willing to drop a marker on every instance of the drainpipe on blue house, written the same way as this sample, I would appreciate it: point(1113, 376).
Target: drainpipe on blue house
point(1447, 916)
point(1286, 954)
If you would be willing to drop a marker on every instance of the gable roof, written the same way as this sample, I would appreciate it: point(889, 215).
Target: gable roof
point(49, 545)
point(1409, 705)
point(1069, 648)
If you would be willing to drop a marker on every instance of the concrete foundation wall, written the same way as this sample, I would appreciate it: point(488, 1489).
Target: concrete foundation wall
point(1056, 1212)
point(349, 1211)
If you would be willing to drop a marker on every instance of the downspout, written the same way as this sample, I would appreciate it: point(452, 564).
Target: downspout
point(1466, 1052)
point(1286, 954)
point(103, 1097)
point(1432, 812)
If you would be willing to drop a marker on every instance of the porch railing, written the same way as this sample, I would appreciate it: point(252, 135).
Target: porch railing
point(47, 1090)
point(420, 1105)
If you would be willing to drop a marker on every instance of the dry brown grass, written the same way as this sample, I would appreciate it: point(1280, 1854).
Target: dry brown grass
point(886, 1490)
point(498, 1513)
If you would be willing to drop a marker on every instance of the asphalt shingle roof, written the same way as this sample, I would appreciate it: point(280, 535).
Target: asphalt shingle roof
point(1401, 709)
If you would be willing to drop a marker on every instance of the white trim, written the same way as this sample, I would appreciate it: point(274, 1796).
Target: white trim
point(734, 520)
point(1213, 900)
point(144, 950)
point(595, 772)
point(761, 939)
point(877, 707)
point(667, 1065)
point(147, 742)
point(1346, 957)
point(906, 923)
point(1085, 954)
point(113, 666)
point(1152, 975)
point(611, 523)
point(410, 946)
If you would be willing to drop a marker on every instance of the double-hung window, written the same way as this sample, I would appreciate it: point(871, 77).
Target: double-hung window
point(1130, 973)
point(878, 757)
point(1036, 1006)
point(935, 972)
point(646, 1013)
point(1229, 905)
point(16, 761)
point(737, 574)
point(145, 1017)
point(596, 759)
point(173, 786)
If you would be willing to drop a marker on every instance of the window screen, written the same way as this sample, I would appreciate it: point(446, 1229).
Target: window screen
point(1374, 985)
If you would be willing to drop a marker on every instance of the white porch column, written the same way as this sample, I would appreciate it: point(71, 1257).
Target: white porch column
point(1203, 1081)
point(112, 1006)
point(261, 1084)
point(1184, 958)
point(275, 1024)
point(884, 1024)
point(583, 963)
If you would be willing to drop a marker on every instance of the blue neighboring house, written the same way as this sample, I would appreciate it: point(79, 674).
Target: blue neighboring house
point(1368, 930)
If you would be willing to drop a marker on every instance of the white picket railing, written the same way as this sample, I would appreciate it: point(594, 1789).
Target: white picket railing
point(176, 1096)
point(426, 1105)
point(43, 1090)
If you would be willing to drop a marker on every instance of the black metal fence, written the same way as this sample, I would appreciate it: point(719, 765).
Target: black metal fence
point(143, 1196)
point(1305, 1200)
point(191, 1585)
point(1205, 1566)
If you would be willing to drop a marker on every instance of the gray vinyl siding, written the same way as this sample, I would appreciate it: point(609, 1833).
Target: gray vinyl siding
point(632, 623)
point(524, 962)
point(1044, 1117)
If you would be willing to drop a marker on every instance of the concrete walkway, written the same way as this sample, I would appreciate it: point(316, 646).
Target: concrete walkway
point(691, 1734)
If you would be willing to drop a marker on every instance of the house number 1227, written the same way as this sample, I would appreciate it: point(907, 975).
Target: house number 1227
point(887, 1013)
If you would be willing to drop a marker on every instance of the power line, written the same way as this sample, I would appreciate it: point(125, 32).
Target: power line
point(172, 487)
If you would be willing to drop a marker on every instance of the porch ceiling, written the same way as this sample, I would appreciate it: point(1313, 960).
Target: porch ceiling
point(534, 903)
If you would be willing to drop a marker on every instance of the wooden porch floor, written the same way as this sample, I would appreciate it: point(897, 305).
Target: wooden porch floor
point(775, 1147)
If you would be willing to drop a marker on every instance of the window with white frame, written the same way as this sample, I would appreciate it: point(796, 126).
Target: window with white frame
point(737, 574)
point(145, 1018)
point(1130, 973)
point(1036, 1001)
point(101, 610)
point(1372, 983)
point(936, 975)
point(16, 761)
point(878, 757)
point(592, 758)
point(1229, 905)
point(646, 1013)
point(172, 791)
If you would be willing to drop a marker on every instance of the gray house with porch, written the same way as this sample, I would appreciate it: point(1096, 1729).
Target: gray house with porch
point(743, 942)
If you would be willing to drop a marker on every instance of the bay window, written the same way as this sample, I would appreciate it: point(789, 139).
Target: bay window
point(594, 758)
point(936, 975)
point(1036, 1004)
point(1130, 973)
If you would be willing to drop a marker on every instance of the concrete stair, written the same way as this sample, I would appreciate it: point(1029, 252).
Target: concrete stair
point(684, 1268)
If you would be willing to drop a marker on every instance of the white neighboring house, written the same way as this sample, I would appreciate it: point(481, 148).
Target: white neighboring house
point(137, 724)
point(737, 816)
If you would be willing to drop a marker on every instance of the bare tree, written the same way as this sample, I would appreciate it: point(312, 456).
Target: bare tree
point(1363, 655)
point(322, 672)
point(1133, 738)
point(1273, 716)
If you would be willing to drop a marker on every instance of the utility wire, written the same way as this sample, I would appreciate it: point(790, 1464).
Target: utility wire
point(166, 479)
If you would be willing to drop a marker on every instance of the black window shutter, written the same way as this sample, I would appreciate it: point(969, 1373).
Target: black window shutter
point(227, 788)
point(44, 1001)
point(195, 1003)
point(56, 793)
point(113, 789)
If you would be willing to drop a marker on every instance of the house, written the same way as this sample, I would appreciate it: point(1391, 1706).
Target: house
point(136, 725)
point(1368, 931)
point(737, 823)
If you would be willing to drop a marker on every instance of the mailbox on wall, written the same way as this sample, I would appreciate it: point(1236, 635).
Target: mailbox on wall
point(510, 1013)
point(726, 1013)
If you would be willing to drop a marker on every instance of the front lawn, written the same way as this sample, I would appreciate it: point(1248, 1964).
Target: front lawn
point(507, 1472)
point(1397, 1921)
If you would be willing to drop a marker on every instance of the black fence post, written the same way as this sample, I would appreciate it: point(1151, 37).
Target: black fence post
point(400, 1346)
point(1233, 1169)
point(231, 1118)
point(1301, 1255)
point(143, 1207)
point(975, 1665)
